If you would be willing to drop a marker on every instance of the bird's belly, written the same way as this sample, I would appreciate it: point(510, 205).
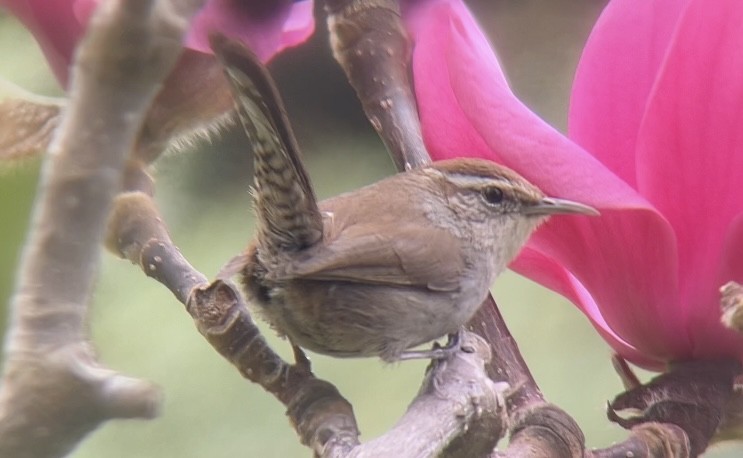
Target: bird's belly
point(351, 319)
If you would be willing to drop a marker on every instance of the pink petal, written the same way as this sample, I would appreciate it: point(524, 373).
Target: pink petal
point(626, 259)
point(446, 130)
point(460, 88)
point(615, 75)
point(690, 149)
point(57, 26)
point(266, 27)
point(554, 276)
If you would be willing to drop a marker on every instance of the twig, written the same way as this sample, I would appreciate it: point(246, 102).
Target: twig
point(649, 440)
point(53, 391)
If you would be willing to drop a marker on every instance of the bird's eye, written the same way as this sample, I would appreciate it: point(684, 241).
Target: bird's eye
point(492, 195)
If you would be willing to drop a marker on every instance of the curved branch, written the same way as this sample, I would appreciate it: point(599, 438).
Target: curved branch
point(323, 419)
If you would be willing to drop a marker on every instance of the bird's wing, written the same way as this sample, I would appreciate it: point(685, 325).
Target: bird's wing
point(403, 255)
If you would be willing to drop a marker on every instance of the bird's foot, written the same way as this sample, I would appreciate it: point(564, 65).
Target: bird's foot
point(453, 345)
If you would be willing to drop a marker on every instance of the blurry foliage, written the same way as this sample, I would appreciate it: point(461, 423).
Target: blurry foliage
point(140, 329)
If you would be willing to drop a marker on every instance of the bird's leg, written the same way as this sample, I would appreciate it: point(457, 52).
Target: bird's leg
point(453, 345)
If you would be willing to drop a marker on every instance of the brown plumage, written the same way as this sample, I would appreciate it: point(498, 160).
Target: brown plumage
point(384, 268)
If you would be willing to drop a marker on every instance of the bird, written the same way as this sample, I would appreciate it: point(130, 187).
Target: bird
point(381, 270)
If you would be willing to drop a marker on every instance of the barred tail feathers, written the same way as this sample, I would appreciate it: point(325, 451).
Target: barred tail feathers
point(286, 206)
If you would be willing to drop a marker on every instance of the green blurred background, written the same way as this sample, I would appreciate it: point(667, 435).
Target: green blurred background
point(141, 330)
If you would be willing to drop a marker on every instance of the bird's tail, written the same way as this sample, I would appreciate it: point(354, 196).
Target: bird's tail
point(286, 207)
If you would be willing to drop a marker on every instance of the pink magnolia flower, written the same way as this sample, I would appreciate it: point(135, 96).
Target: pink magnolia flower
point(656, 143)
point(266, 27)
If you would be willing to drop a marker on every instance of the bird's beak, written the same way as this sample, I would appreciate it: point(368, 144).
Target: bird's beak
point(552, 206)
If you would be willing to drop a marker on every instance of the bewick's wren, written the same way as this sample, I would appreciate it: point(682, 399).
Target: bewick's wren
point(382, 269)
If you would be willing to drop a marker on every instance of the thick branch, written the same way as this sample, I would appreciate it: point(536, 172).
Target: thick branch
point(53, 392)
point(537, 427)
point(459, 411)
point(507, 364)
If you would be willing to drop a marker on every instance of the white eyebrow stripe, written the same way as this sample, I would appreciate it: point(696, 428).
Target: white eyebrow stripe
point(469, 181)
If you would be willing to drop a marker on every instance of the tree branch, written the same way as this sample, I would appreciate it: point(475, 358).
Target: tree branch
point(649, 440)
point(458, 412)
point(370, 44)
point(53, 391)
point(322, 417)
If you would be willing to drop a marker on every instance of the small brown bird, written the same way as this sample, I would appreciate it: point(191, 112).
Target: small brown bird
point(382, 269)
